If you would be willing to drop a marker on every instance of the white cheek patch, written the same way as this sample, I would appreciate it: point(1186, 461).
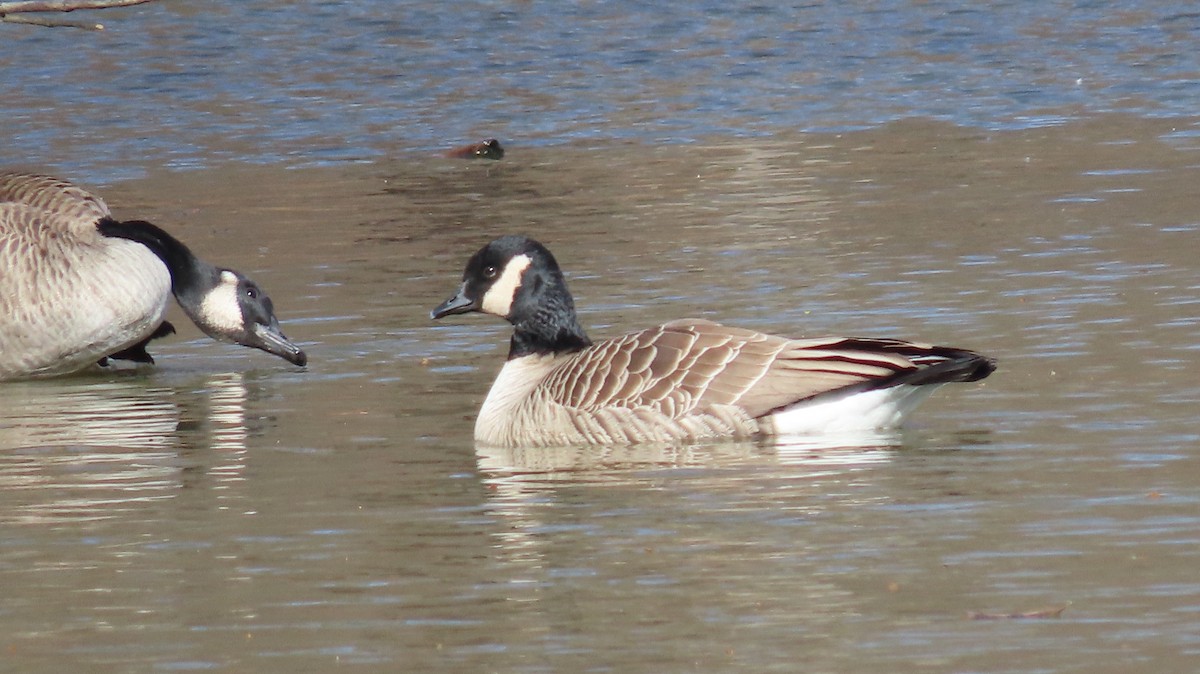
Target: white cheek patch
point(220, 311)
point(499, 298)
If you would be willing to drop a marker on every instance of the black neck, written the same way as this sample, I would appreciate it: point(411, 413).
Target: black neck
point(552, 328)
point(186, 270)
point(528, 343)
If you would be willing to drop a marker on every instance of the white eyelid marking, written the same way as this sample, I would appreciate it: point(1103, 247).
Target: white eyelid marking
point(499, 298)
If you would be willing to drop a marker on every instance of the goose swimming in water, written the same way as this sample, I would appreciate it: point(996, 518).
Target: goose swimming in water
point(485, 149)
point(682, 381)
point(78, 287)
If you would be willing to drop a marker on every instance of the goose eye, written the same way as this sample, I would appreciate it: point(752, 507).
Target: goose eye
point(252, 292)
point(489, 272)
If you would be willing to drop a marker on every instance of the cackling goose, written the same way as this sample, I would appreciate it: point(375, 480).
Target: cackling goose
point(79, 287)
point(686, 380)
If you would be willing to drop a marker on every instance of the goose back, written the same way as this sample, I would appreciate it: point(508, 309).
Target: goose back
point(78, 209)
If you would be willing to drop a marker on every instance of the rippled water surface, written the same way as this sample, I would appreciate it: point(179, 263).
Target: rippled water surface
point(224, 511)
point(182, 84)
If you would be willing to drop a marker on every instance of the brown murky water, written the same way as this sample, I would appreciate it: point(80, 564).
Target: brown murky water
point(227, 512)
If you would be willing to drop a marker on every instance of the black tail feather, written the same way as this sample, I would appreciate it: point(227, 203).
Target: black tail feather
point(936, 365)
point(959, 366)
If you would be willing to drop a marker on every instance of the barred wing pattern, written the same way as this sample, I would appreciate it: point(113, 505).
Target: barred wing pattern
point(75, 206)
point(690, 366)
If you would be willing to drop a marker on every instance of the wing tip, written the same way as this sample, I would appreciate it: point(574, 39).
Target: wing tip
point(959, 365)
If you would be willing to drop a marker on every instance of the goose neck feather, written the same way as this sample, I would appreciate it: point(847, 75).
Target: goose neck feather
point(553, 336)
point(543, 316)
point(191, 277)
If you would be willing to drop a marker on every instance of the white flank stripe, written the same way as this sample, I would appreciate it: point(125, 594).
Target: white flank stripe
point(863, 412)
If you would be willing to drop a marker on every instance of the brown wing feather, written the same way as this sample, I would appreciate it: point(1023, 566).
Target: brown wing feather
point(77, 208)
point(690, 365)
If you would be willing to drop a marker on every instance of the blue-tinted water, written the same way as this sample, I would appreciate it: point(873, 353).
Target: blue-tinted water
point(182, 84)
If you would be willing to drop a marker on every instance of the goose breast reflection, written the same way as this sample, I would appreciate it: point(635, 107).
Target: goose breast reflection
point(80, 288)
point(686, 380)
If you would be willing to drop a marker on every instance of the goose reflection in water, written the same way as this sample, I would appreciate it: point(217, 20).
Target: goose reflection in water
point(524, 483)
point(91, 450)
point(558, 463)
point(668, 519)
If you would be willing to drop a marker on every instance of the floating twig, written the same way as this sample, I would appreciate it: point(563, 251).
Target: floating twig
point(13, 12)
point(1051, 612)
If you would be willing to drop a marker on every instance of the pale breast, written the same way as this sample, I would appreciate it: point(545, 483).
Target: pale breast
point(505, 413)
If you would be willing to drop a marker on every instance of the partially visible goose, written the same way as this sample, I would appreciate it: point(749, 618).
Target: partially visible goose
point(485, 149)
point(79, 287)
point(686, 380)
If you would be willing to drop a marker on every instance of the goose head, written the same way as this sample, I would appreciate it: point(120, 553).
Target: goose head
point(518, 279)
point(229, 307)
point(224, 303)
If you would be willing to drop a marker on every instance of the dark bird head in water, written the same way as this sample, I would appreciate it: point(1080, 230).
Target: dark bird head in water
point(487, 149)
